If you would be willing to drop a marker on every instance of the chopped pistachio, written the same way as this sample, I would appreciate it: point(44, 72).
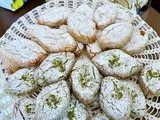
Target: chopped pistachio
point(151, 74)
point(118, 92)
point(114, 62)
point(71, 113)
point(52, 100)
point(28, 108)
point(28, 78)
point(58, 63)
point(83, 77)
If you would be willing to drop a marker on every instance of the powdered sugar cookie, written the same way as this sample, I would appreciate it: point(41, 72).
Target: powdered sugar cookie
point(105, 15)
point(81, 28)
point(116, 35)
point(137, 43)
point(52, 40)
point(53, 101)
point(116, 63)
point(54, 16)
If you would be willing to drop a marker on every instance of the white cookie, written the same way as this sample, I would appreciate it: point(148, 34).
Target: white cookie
point(52, 40)
point(80, 46)
point(150, 79)
point(93, 49)
point(85, 10)
point(81, 28)
point(53, 101)
point(85, 80)
point(105, 15)
point(116, 63)
point(138, 99)
point(26, 107)
point(54, 68)
point(116, 35)
point(21, 53)
point(77, 111)
point(22, 82)
point(115, 99)
point(137, 43)
point(100, 116)
point(123, 16)
point(54, 16)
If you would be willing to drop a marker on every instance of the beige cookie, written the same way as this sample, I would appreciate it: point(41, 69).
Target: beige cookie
point(137, 43)
point(116, 35)
point(52, 40)
point(81, 28)
point(105, 15)
point(54, 16)
point(21, 53)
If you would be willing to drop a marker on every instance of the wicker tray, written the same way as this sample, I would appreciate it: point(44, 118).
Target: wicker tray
point(17, 30)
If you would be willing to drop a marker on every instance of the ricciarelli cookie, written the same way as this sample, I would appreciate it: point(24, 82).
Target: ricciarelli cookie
point(105, 15)
point(116, 35)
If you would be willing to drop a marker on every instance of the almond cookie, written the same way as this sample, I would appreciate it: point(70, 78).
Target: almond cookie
point(85, 10)
point(137, 43)
point(105, 15)
point(26, 107)
point(85, 80)
point(80, 46)
point(22, 82)
point(21, 53)
point(77, 111)
point(53, 101)
point(81, 28)
point(115, 99)
point(150, 79)
point(54, 68)
point(93, 49)
point(138, 99)
point(54, 16)
point(116, 35)
point(52, 40)
point(116, 63)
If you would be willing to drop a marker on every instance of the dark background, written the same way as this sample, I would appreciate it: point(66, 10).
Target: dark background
point(156, 5)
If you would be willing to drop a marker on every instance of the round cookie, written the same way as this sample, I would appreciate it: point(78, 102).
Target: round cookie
point(116, 35)
point(54, 16)
point(22, 82)
point(54, 68)
point(53, 101)
point(105, 15)
point(150, 79)
point(81, 28)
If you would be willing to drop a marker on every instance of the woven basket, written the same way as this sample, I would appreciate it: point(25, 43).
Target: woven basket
point(17, 30)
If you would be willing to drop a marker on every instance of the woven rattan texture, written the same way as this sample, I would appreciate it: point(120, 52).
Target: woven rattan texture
point(17, 30)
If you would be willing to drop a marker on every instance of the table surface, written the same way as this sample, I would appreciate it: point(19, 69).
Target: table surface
point(8, 17)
